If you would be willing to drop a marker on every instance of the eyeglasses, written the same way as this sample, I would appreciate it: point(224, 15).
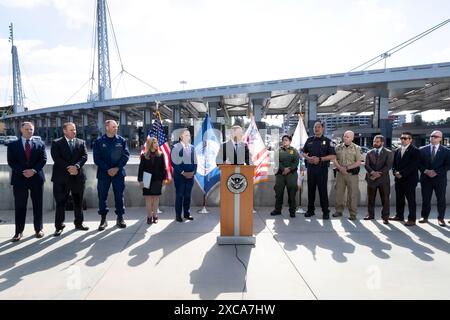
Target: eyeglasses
point(404, 138)
point(436, 137)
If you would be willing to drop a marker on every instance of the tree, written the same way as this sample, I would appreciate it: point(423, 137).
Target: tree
point(418, 121)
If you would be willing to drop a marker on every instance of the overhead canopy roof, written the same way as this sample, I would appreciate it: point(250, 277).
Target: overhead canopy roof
point(414, 88)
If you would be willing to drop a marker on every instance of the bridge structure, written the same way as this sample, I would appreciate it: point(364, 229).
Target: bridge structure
point(382, 92)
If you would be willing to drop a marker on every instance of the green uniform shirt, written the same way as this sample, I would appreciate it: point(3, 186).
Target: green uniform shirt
point(288, 158)
point(346, 156)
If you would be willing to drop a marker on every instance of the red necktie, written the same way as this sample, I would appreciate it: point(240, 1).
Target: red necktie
point(27, 150)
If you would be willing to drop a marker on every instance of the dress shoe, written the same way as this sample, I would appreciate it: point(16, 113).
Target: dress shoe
point(309, 214)
point(103, 223)
point(410, 223)
point(369, 217)
point(179, 220)
point(385, 221)
point(81, 227)
point(40, 234)
point(396, 218)
point(189, 218)
point(423, 220)
point(337, 214)
point(352, 218)
point(59, 230)
point(121, 223)
point(149, 220)
point(17, 237)
point(275, 213)
point(292, 214)
point(441, 222)
point(155, 219)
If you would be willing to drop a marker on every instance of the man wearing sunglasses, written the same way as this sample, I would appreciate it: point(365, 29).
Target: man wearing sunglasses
point(406, 172)
point(433, 166)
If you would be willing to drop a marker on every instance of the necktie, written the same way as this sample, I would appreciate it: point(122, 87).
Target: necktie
point(433, 153)
point(27, 150)
point(403, 151)
point(71, 145)
point(377, 153)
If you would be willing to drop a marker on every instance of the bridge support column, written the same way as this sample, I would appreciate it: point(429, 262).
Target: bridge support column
point(381, 117)
point(212, 107)
point(58, 129)
point(85, 129)
point(311, 113)
point(48, 129)
point(124, 128)
point(147, 125)
point(101, 123)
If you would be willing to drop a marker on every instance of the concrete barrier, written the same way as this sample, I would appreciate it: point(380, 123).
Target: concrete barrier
point(264, 192)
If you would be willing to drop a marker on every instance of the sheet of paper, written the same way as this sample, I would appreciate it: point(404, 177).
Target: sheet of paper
point(147, 179)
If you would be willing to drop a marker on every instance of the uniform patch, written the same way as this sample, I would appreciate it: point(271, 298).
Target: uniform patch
point(291, 152)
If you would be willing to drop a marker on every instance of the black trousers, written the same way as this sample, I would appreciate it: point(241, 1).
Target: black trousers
point(405, 190)
point(439, 187)
point(20, 201)
point(385, 190)
point(61, 193)
point(318, 178)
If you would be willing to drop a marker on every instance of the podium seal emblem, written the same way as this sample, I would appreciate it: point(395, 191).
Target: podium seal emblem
point(237, 183)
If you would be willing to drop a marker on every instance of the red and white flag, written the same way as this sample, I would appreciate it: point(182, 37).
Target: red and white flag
point(258, 152)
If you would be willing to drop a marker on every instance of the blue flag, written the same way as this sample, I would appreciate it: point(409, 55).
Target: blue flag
point(207, 146)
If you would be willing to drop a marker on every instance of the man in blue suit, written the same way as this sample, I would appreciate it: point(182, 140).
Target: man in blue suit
point(434, 164)
point(184, 165)
point(111, 155)
point(27, 158)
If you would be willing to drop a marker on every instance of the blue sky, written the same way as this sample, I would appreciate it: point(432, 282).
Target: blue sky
point(208, 43)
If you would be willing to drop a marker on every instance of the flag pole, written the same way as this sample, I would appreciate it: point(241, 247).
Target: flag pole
point(204, 210)
point(302, 172)
point(159, 211)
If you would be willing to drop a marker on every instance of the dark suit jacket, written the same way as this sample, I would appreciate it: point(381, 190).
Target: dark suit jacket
point(408, 165)
point(155, 166)
point(441, 163)
point(383, 164)
point(63, 158)
point(182, 162)
point(228, 152)
point(18, 163)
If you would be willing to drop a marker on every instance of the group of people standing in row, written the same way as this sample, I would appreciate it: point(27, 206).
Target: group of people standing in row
point(27, 158)
point(405, 163)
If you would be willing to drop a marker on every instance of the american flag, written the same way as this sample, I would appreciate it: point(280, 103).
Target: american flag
point(158, 133)
point(258, 152)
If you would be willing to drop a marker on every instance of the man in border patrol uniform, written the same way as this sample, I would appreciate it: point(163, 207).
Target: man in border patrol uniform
point(111, 155)
point(318, 152)
point(348, 160)
point(286, 176)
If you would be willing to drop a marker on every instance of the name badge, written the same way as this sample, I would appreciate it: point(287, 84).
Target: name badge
point(291, 152)
point(118, 145)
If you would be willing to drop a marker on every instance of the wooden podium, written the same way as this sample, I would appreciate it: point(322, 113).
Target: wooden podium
point(236, 204)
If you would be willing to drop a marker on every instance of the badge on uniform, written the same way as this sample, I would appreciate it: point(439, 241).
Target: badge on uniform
point(324, 142)
point(291, 152)
point(104, 145)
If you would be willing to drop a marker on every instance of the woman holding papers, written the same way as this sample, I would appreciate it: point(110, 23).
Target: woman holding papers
point(152, 172)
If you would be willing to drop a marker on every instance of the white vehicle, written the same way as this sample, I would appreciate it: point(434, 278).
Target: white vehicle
point(9, 139)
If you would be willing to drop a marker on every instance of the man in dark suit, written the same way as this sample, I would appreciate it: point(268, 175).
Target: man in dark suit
point(433, 166)
point(184, 166)
point(378, 164)
point(234, 151)
point(69, 155)
point(406, 172)
point(27, 158)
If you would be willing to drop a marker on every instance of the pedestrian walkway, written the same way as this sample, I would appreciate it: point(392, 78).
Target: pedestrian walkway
point(301, 258)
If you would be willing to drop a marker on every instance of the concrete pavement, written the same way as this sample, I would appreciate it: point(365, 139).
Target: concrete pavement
point(293, 259)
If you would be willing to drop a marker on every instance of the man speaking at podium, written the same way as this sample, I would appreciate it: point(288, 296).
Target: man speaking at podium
point(234, 151)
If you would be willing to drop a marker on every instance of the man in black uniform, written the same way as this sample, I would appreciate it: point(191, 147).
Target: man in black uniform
point(318, 152)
